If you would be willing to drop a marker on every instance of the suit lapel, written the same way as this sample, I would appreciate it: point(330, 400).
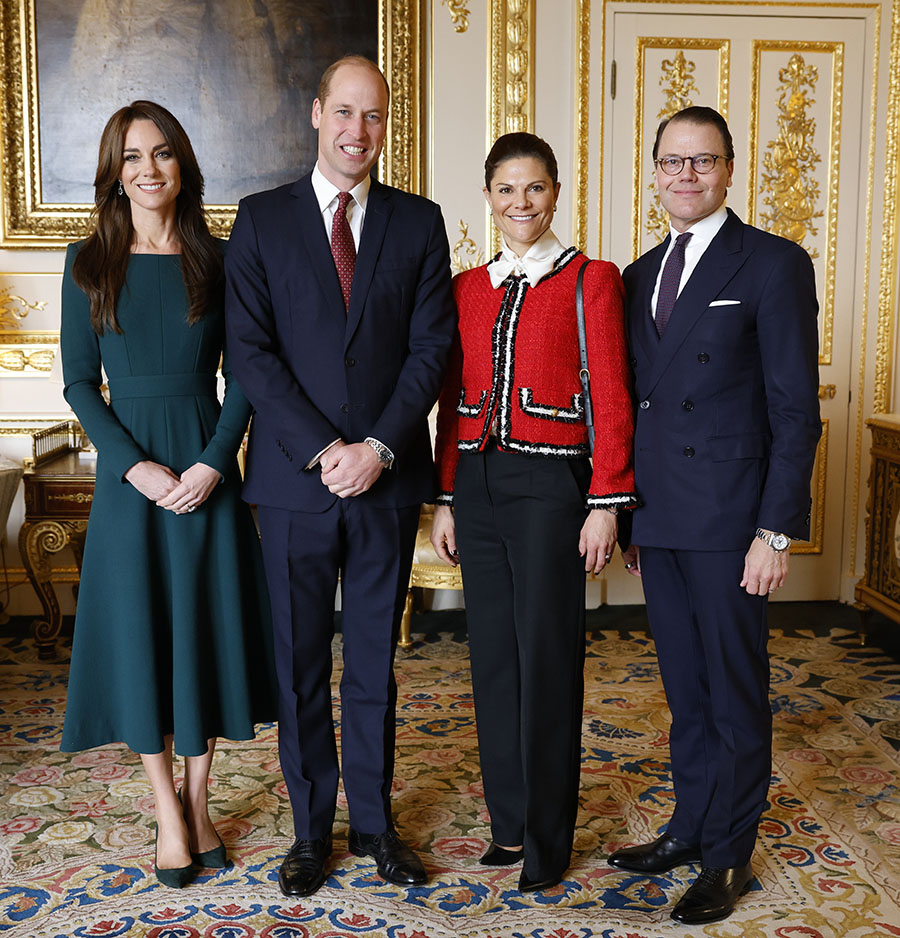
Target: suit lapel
point(309, 224)
point(721, 260)
point(378, 211)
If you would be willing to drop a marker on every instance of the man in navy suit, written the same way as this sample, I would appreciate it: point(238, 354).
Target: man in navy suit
point(722, 321)
point(340, 320)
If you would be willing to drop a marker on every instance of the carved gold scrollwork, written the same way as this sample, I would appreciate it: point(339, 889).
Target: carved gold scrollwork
point(827, 391)
point(17, 359)
point(788, 186)
point(466, 246)
point(517, 64)
point(459, 14)
point(13, 309)
point(679, 72)
point(677, 81)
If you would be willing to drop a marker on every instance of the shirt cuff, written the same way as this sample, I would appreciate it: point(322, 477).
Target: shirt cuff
point(315, 460)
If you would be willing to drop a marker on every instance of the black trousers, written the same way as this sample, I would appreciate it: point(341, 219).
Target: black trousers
point(518, 520)
point(711, 640)
point(371, 548)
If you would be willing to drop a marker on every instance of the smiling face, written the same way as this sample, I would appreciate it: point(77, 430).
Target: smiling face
point(690, 196)
point(522, 198)
point(352, 122)
point(150, 172)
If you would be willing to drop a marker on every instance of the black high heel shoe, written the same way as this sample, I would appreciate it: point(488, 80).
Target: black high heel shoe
point(214, 859)
point(176, 878)
point(500, 856)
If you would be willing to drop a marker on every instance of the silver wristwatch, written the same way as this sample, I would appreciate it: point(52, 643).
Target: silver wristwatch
point(777, 542)
point(385, 456)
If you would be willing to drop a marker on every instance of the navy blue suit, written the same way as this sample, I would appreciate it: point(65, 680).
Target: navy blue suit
point(313, 373)
point(725, 439)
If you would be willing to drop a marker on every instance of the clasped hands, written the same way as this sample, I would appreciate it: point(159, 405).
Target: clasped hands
point(349, 468)
point(181, 494)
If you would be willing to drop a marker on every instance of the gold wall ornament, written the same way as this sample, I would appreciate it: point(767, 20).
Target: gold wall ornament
point(510, 99)
point(466, 246)
point(27, 221)
point(459, 14)
point(786, 182)
point(13, 308)
point(676, 78)
point(788, 185)
point(19, 359)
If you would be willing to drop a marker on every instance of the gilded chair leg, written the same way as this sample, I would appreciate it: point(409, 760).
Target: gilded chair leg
point(405, 639)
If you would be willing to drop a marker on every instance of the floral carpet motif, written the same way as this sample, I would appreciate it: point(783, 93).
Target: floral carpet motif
point(76, 832)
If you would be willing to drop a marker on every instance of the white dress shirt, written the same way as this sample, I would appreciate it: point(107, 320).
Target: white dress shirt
point(702, 233)
point(327, 197)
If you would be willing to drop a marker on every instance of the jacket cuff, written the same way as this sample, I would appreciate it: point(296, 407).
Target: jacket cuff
point(615, 500)
point(445, 498)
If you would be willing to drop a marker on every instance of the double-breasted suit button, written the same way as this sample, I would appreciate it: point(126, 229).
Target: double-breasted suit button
point(644, 405)
point(345, 408)
point(703, 358)
point(687, 405)
point(688, 451)
point(349, 362)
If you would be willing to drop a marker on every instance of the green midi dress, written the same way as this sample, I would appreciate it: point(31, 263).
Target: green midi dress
point(173, 629)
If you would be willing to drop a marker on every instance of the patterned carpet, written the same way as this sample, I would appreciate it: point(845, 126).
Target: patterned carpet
point(76, 836)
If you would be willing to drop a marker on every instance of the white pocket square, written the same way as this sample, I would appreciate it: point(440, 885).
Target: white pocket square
point(725, 303)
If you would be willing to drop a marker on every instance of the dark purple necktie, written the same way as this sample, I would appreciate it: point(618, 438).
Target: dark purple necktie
point(670, 281)
point(342, 247)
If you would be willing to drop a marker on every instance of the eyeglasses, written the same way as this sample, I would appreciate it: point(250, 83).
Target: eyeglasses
point(702, 163)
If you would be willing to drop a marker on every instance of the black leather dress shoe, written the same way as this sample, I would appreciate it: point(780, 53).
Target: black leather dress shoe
point(536, 885)
point(712, 896)
point(303, 869)
point(500, 856)
point(664, 854)
point(396, 862)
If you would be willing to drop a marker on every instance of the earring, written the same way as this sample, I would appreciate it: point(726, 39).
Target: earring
point(555, 208)
point(121, 190)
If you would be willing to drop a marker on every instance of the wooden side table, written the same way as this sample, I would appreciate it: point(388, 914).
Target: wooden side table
point(59, 488)
point(879, 589)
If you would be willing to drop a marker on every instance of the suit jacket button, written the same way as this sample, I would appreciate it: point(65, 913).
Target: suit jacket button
point(703, 358)
point(349, 362)
point(634, 363)
point(645, 405)
point(687, 405)
point(688, 451)
point(345, 408)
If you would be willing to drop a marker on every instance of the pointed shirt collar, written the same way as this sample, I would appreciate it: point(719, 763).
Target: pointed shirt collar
point(327, 192)
point(534, 264)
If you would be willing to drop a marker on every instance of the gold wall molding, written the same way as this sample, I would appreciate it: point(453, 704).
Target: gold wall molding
point(510, 88)
point(787, 182)
point(28, 426)
point(466, 253)
point(582, 122)
point(887, 285)
point(676, 78)
point(29, 222)
point(459, 14)
point(817, 510)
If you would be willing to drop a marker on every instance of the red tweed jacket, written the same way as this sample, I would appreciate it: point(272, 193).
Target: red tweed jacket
point(516, 364)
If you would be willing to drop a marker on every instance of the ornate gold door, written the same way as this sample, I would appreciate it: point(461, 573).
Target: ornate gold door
point(796, 90)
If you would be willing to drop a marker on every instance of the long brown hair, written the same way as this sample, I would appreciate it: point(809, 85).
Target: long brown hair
point(102, 262)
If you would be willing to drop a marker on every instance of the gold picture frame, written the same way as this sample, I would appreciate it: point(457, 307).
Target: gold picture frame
point(28, 221)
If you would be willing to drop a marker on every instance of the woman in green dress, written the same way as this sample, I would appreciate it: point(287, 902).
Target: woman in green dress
point(172, 643)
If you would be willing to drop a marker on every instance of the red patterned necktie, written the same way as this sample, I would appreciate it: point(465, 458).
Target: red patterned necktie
point(670, 281)
point(342, 247)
